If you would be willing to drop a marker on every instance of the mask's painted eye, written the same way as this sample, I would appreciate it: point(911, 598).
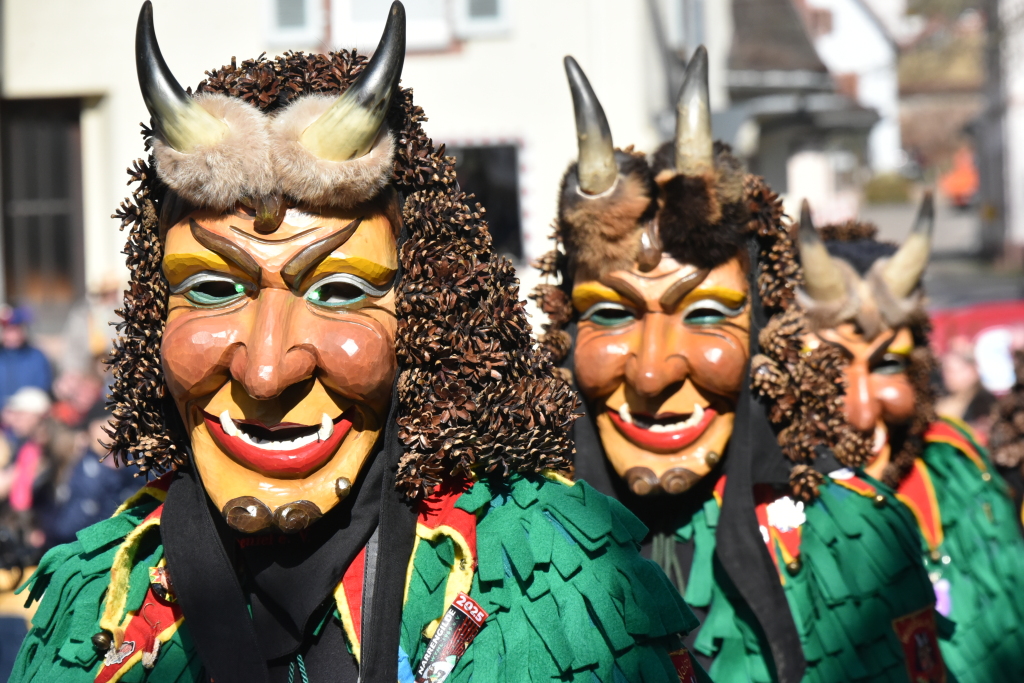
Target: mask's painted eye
point(608, 314)
point(212, 290)
point(710, 312)
point(341, 290)
point(891, 364)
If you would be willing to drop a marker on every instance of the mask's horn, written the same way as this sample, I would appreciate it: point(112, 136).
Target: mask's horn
point(822, 280)
point(596, 167)
point(182, 123)
point(693, 118)
point(349, 128)
point(905, 268)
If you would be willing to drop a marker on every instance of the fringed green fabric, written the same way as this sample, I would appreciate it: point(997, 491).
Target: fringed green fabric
point(569, 597)
point(72, 581)
point(859, 571)
point(981, 565)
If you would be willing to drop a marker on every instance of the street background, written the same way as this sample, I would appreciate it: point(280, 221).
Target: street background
point(859, 106)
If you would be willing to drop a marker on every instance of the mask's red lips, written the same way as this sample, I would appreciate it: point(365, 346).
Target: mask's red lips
point(281, 449)
point(664, 440)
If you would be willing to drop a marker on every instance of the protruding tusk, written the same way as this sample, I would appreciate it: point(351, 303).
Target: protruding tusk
point(822, 280)
point(694, 145)
point(597, 170)
point(905, 268)
point(183, 124)
point(326, 428)
point(349, 128)
point(228, 425)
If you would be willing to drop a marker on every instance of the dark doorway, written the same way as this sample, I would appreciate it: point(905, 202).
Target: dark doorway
point(492, 174)
point(42, 206)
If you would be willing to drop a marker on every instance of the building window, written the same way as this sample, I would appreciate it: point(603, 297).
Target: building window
point(492, 174)
point(295, 22)
point(43, 257)
point(359, 23)
point(482, 18)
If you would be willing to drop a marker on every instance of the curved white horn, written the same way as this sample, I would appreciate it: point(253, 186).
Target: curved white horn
point(182, 123)
point(596, 166)
point(822, 280)
point(904, 270)
point(349, 128)
point(693, 142)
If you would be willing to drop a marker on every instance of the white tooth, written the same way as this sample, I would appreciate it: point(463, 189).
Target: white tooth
point(326, 428)
point(624, 414)
point(228, 425)
point(880, 438)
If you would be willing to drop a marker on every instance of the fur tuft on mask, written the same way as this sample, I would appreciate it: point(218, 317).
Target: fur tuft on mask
point(601, 232)
point(702, 219)
point(215, 176)
point(319, 182)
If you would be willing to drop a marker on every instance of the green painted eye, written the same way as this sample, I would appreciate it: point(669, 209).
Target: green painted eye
point(342, 290)
point(335, 294)
point(710, 312)
point(607, 314)
point(211, 291)
point(891, 364)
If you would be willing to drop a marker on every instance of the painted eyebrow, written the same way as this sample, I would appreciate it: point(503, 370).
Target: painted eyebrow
point(681, 287)
point(882, 349)
point(226, 249)
point(300, 264)
point(623, 287)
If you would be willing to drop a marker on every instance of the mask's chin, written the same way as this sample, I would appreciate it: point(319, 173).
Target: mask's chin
point(641, 456)
point(285, 474)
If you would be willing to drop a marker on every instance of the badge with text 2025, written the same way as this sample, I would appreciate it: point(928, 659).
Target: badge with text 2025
point(457, 629)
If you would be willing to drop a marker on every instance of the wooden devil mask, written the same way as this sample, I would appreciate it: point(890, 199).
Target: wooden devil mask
point(279, 250)
point(658, 268)
point(864, 298)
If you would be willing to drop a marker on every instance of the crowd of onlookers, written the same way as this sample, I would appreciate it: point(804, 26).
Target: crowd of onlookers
point(54, 477)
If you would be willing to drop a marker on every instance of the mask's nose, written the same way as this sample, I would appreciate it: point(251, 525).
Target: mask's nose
point(268, 362)
point(863, 409)
point(656, 364)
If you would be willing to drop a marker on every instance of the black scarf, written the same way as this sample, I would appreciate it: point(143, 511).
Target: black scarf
point(752, 456)
point(291, 584)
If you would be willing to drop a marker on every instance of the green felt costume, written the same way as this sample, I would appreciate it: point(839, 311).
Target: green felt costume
point(832, 595)
point(976, 567)
point(568, 595)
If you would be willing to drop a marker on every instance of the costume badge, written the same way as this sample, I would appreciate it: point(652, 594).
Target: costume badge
point(457, 629)
point(920, 641)
point(160, 583)
point(684, 665)
point(115, 657)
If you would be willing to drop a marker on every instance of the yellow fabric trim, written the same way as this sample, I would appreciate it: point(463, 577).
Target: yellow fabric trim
point(347, 623)
point(137, 496)
point(117, 590)
point(557, 476)
point(460, 578)
point(136, 657)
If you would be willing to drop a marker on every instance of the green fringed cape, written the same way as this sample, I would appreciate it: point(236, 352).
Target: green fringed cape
point(556, 566)
point(973, 551)
point(854, 572)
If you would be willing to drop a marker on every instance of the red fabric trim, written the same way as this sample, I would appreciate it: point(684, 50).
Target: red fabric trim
point(163, 482)
point(943, 432)
point(352, 582)
point(439, 510)
point(153, 618)
point(917, 493)
point(789, 541)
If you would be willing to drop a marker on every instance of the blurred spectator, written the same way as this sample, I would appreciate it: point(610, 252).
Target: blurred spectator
point(965, 396)
point(21, 365)
point(76, 392)
point(94, 489)
point(1008, 428)
point(22, 420)
point(961, 183)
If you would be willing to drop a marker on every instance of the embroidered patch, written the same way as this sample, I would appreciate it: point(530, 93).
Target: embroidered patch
point(457, 629)
point(920, 641)
point(684, 665)
point(115, 657)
